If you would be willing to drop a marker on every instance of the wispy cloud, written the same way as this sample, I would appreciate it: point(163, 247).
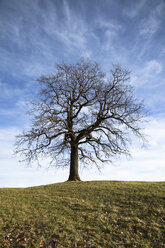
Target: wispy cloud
point(152, 66)
point(46, 34)
point(134, 8)
point(37, 34)
point(7, 91)
point(110, 30)
point(148, 74)
point(149, 26)
point(151, 23)
point(149, 82)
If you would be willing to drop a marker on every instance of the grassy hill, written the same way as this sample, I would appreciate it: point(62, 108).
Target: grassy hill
point(83, 214)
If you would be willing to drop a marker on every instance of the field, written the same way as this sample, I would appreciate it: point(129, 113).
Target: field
point(83, 214)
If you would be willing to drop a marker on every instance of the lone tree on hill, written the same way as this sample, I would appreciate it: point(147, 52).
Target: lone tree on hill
point(82, 112)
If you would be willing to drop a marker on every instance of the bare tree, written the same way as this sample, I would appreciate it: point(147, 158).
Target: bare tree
point(82, 113)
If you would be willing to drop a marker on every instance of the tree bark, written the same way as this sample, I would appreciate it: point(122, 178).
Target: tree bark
point(74, 175)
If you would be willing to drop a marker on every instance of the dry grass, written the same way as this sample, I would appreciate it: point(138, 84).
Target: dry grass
point(83, 214)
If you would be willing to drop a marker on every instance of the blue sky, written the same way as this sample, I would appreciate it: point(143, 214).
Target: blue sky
point(36, 34)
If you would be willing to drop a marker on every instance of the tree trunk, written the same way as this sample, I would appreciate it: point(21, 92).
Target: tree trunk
point(74, 176)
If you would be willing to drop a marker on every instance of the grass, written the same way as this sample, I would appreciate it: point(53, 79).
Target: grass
point(83, 214)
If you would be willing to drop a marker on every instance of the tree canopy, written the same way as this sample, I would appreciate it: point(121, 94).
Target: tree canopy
point(82, 114)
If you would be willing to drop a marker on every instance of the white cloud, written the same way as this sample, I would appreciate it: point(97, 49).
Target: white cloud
point(73, 33)
point(149, 84)
point(15, 174)
point(149, 26)
point(35, 51)
point(145, 165)
point(152, 66)
point(6, 138)
point(17, 103)
point(7, 91)
point(38, 46)
point(148, 75)
point(110, 31)
point(108, 25)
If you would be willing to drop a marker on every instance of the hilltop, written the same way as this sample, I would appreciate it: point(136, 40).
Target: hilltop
point(83, 214)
